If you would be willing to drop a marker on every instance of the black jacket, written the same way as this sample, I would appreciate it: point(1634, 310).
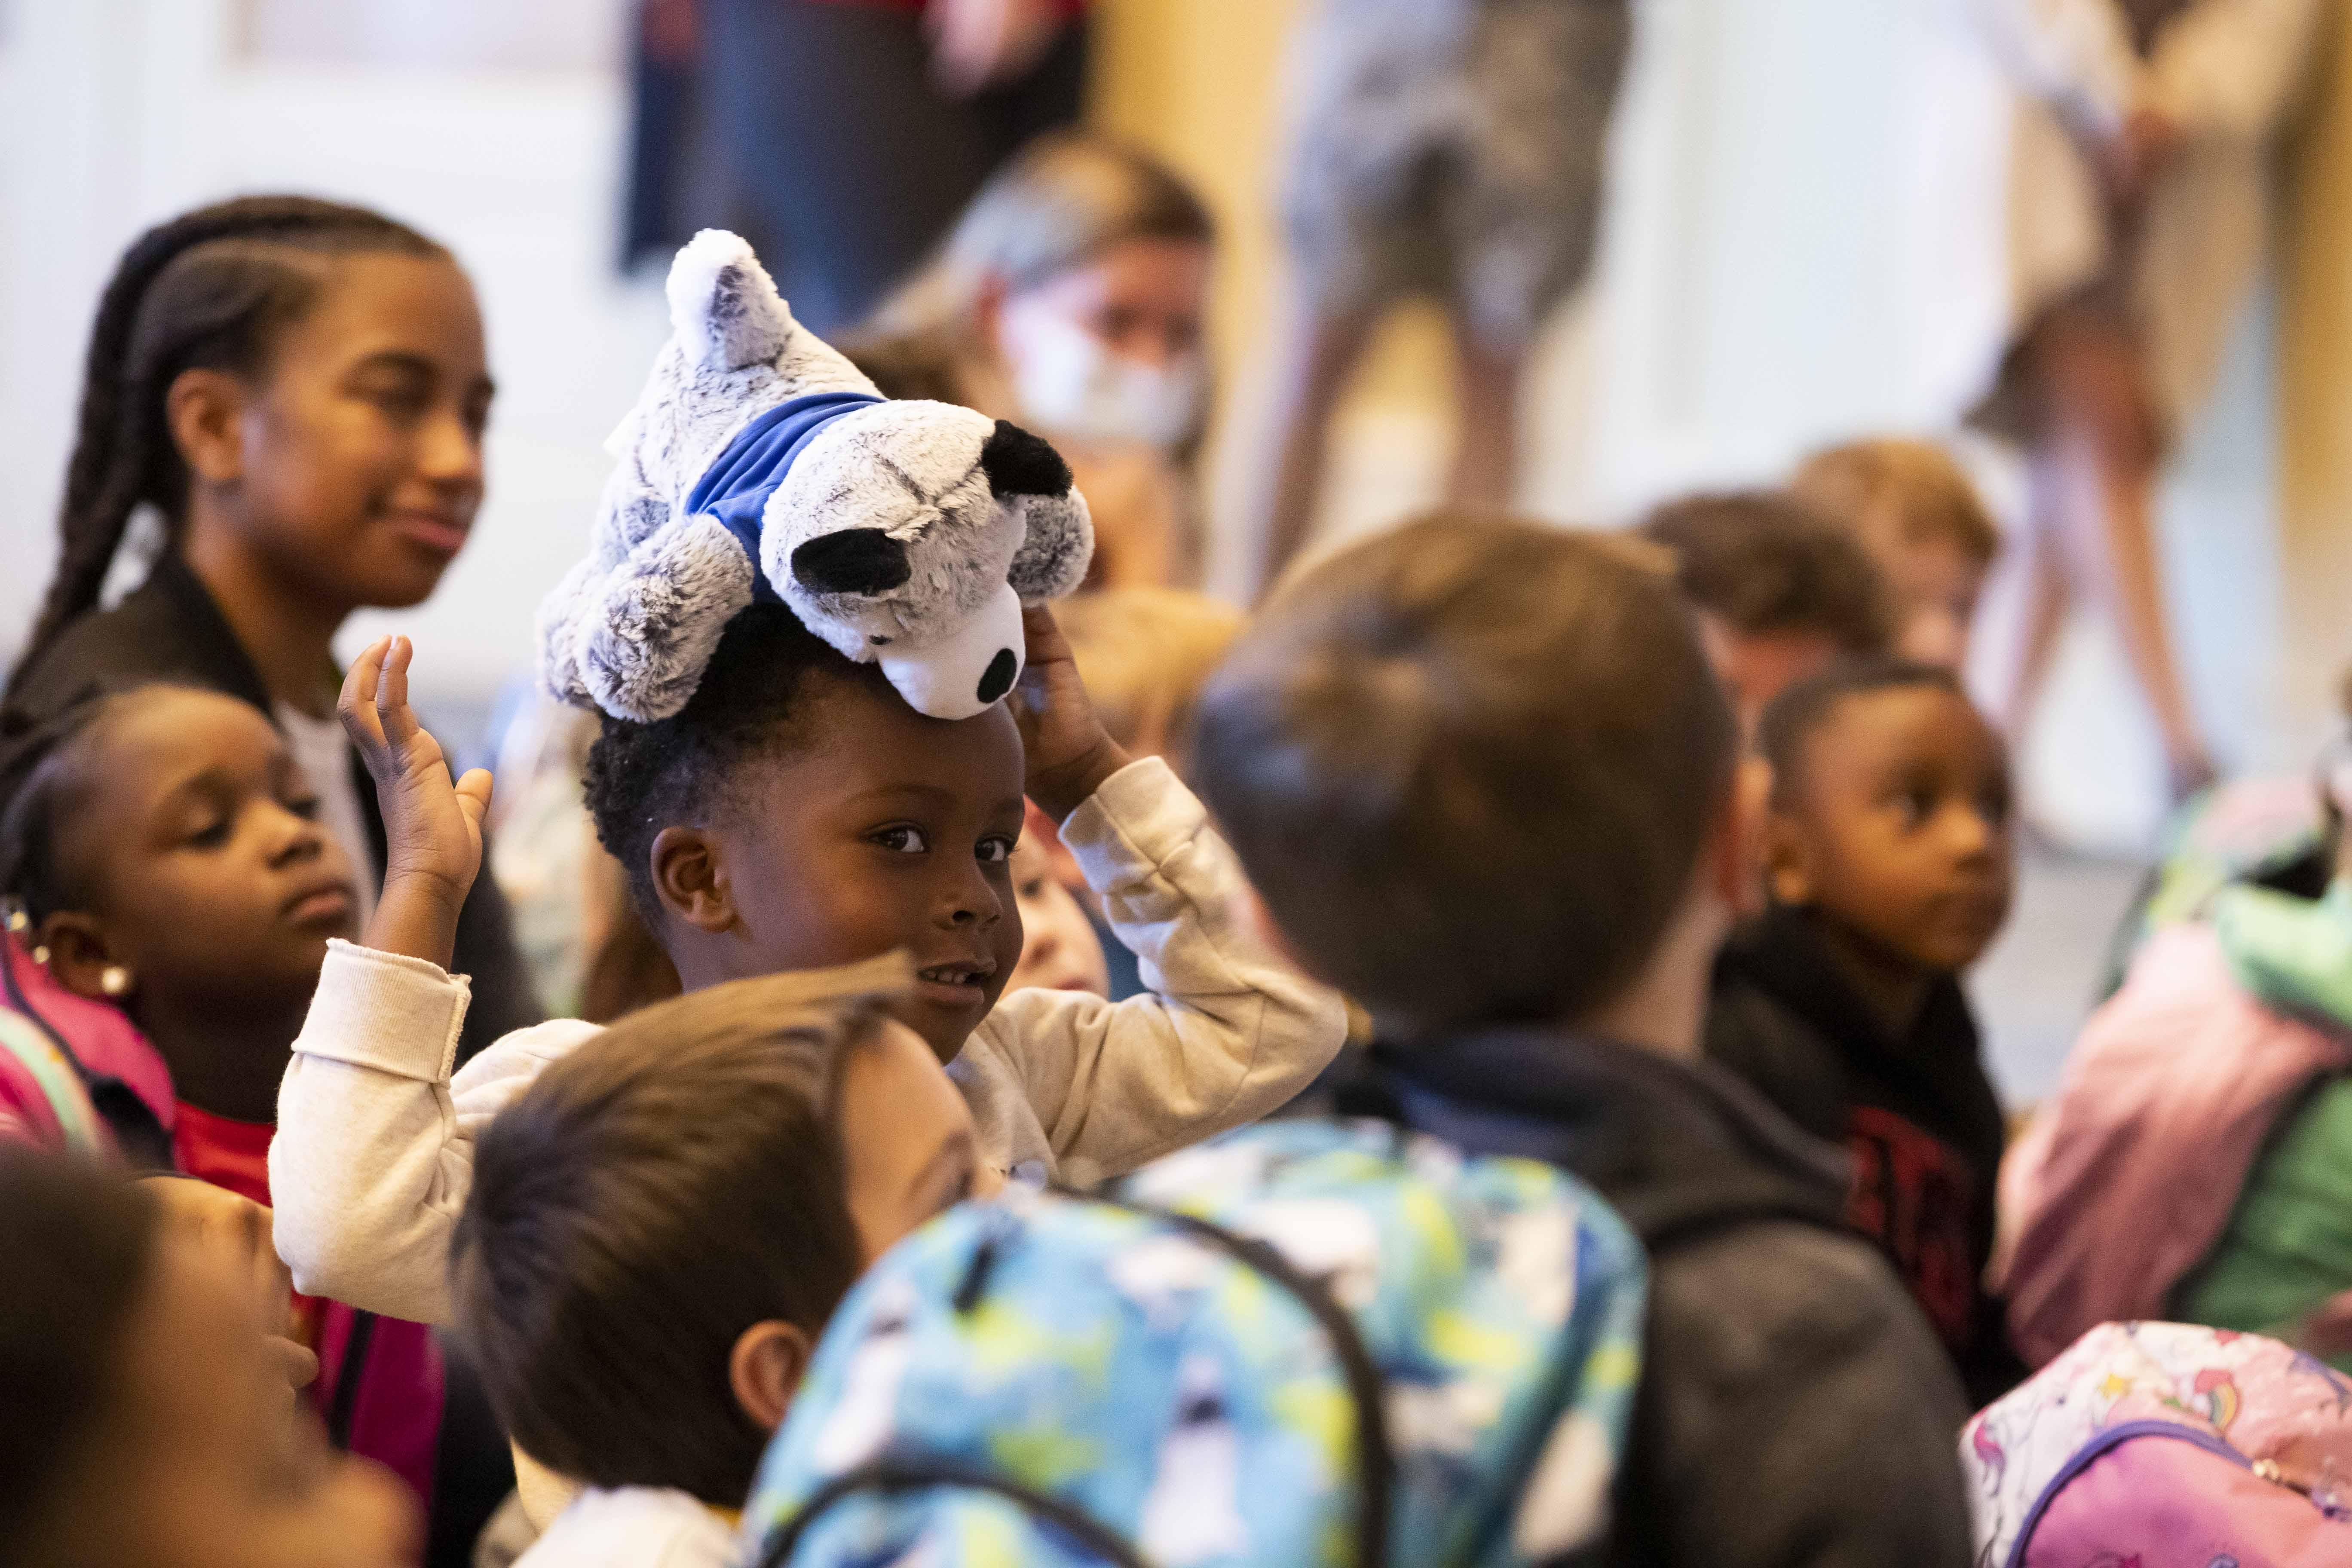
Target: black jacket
point(1794, 1409)
point(169, 629)
point(1917, 1114)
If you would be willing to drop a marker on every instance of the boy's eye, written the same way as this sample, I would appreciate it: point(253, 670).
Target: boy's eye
point(994, 851)
point(1034, 888)
point(903, 840)
point(305, 806)
point(212, 835)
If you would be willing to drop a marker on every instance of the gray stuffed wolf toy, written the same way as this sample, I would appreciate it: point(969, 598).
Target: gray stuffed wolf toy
point(760, 464)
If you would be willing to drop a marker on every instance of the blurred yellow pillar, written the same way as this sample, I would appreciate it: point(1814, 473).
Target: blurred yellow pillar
point(2316, 395)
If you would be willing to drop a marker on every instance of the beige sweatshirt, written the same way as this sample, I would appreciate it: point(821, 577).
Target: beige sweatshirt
point(374, 1150)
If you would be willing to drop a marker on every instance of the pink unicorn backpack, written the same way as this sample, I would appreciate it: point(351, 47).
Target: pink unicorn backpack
point(2166, 1445)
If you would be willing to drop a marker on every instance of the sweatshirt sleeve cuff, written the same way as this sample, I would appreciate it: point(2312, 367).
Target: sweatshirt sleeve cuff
point(1139, 817)
point(381, 1010)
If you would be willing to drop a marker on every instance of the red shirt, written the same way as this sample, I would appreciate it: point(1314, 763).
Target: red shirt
point(396, 1411)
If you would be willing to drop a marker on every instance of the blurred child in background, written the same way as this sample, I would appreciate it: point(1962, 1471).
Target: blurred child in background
point(1070, 298)
point(144, 1414)
point(1781, 593)
point(1918, 513)
point(1888, 861)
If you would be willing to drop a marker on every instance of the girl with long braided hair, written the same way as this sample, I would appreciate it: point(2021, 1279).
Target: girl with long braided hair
point(294, 391)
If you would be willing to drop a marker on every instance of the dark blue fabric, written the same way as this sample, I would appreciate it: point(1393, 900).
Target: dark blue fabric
point(736, 487)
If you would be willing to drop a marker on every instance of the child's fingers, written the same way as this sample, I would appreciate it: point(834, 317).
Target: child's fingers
point(1044, 635)
point(392, 703)
point(474, 794)
point(357, 705)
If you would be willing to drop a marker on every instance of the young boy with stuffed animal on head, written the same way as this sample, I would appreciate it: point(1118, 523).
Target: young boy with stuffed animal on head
point(806, 762)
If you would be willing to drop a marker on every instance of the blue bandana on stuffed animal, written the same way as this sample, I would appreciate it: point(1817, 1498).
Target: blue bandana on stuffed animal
point(760, 464)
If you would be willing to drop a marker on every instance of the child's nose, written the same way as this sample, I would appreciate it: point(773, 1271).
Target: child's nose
point(972, 900)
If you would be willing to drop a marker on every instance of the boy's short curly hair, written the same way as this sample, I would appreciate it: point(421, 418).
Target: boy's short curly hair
point(1793, 716)
point(752, 702)
point(1762, 562)
point(1470, 766)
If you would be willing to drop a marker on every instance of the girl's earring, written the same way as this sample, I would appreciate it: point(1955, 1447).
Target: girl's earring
point(114, 980)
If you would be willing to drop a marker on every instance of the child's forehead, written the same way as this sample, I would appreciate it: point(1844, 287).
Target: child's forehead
point(1901, 722)
point(153, 737)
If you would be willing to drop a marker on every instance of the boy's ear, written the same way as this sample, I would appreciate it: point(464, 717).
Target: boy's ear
point(691, 879)
point(1790, 873)
point(205, 412)
point(764, 1369)
point(82, 958)
point(1738, 848)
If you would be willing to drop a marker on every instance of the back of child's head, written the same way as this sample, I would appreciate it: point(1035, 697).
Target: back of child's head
point(1470, 766)
point(1144, 655)
point(650, 1197)
point(213, 289)
point(754, 701)
point(1898, 492)
point(78, 1245)
point(1762, 563)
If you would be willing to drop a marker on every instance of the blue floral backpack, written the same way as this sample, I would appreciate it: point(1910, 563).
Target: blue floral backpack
point(1308, 1343)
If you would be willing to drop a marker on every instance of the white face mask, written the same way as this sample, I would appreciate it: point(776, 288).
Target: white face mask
point(1070, 383)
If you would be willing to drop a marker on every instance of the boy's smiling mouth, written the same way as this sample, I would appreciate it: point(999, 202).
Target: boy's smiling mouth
point(957, 983)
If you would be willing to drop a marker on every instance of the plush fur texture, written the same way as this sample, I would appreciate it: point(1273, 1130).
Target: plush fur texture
point(960, 516)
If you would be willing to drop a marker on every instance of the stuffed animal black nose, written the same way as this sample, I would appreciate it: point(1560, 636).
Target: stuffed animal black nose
point(997, 679)
point(1020, 464)
point(854, 561)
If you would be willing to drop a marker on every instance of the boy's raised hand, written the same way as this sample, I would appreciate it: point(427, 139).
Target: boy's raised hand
point(433, 827)
point(1070, 754)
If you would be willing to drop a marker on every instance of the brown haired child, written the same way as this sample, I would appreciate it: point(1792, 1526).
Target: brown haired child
point(660, 1227)
point(1888, 861)
point(1781, 593)
point(1918, 514)
point(1484, 779)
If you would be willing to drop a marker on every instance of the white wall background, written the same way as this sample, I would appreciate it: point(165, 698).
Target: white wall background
point(1803, 248)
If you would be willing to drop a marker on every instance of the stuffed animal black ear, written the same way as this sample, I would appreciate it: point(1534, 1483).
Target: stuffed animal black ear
point(862, 561)
point(759, 463)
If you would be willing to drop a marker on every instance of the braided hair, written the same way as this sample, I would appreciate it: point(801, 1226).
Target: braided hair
point(44, 778)
point(210, 289)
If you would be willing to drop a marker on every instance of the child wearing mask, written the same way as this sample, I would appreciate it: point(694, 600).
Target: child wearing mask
point(1070, 298)
point(1915, 509)
point(297, 391)
point(798, 814)
point(1483, 779)
point(1781, 593)
point(1888, 862)
point(144, 1407)
point(165, 851)
point(646, 1303)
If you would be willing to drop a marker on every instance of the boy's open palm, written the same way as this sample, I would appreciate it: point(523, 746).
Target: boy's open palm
point(433, 827)
point(1069, 753)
